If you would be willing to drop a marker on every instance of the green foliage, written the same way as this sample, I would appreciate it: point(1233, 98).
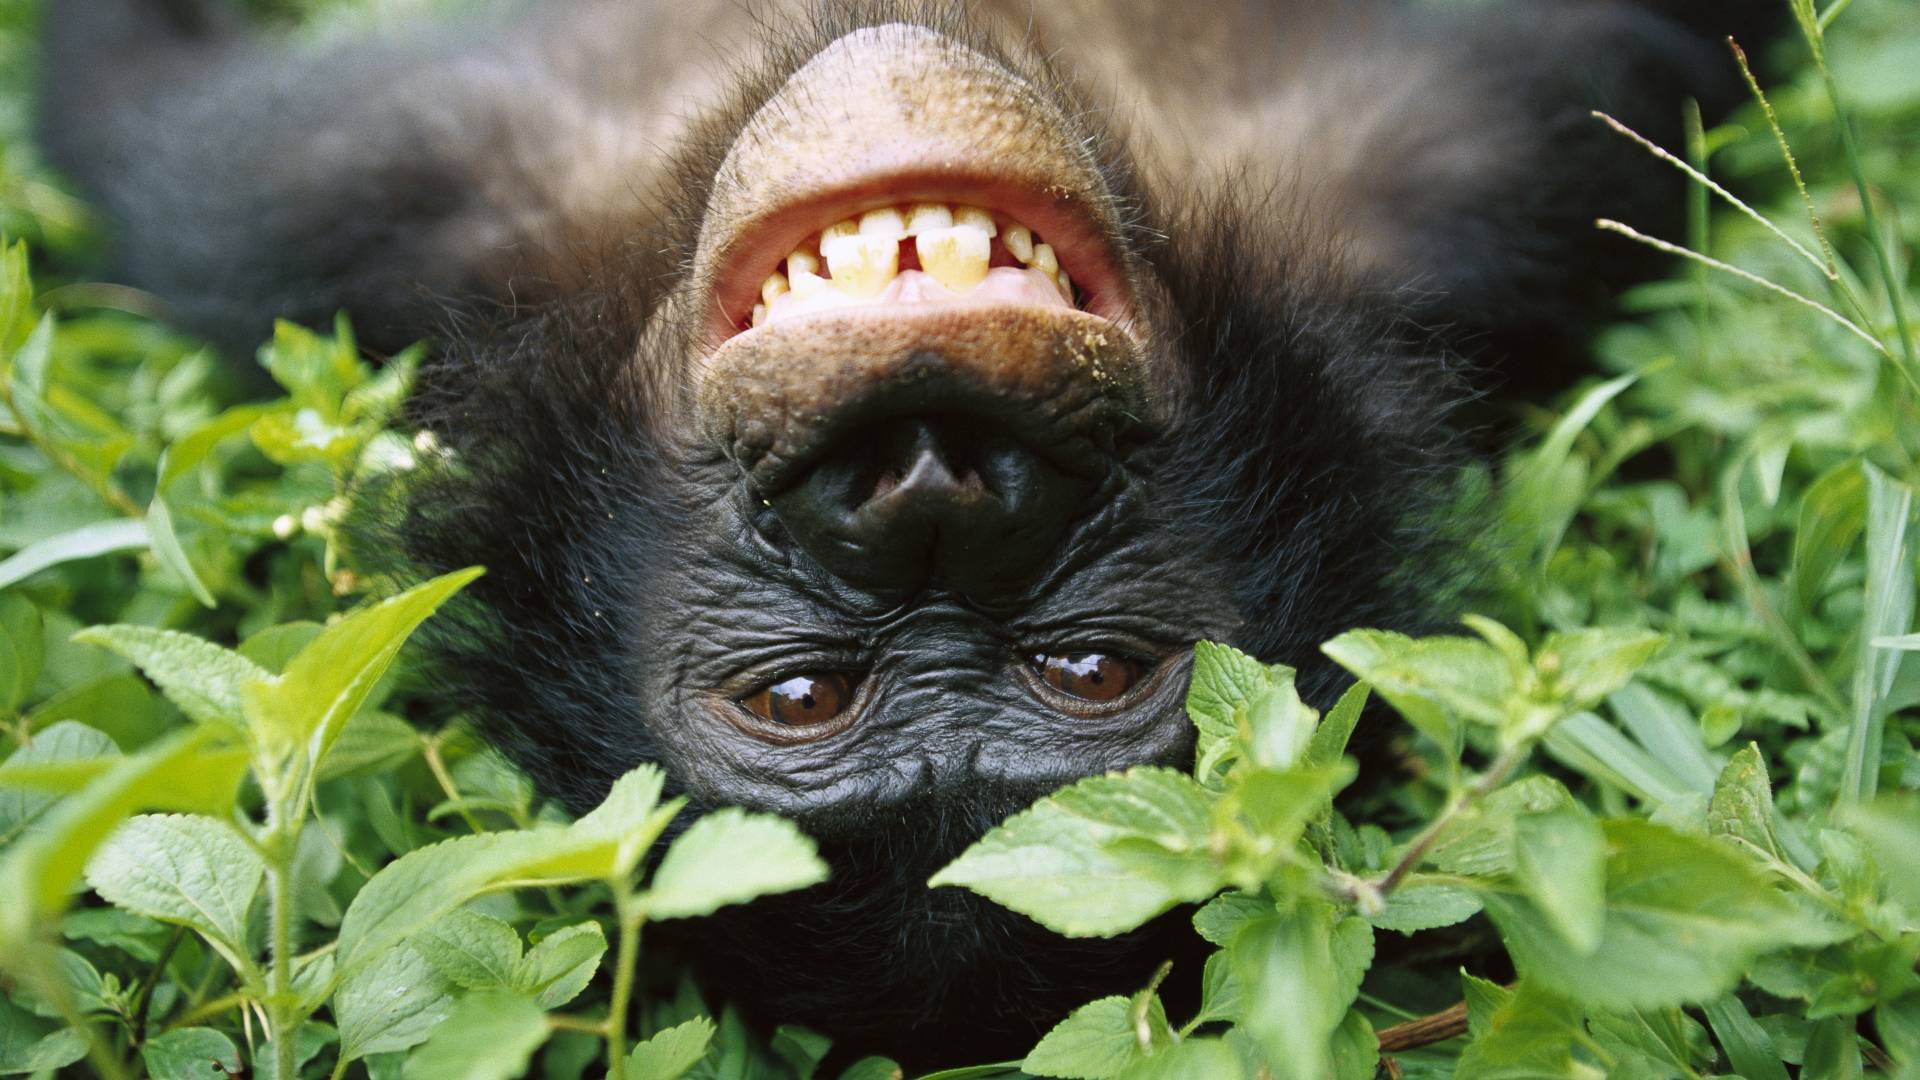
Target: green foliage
point(1667, 791)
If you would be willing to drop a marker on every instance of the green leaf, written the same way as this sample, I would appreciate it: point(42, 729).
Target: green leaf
point(1436, 682)
point(1530, 1037)
point(1888, 603)
point(1100, 857)
point(1484, 998)
point(560, 967)
point(474, 951)
point(1685, 917)
point(1749, 1048)
point(183, 869)
point(30, 1044)
point(1560, 858)
point(194, 1053)
point(671, 1053)
point(391, 1004)
point(1330, 739)
point(874, 1068)
point(730, 857)
point(1890, 827)
point(1742, 805)
point(85, 542)
point(166, 547)
point(66, 741)
point(1299, 971)
point(1220, 918)
point(202, 678)
point(1833, 513)
point(1237, 703)
point(801, 1048)
point(1096, 1041)
point(1190, 1059)
point(188, 772)
point(22, 649)
point(331, 678)
point(488, 1036)
point(1583, 666)
point(1420, 904)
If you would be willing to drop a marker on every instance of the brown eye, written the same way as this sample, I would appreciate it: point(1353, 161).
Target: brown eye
point(1093, 677)
point(802, 701)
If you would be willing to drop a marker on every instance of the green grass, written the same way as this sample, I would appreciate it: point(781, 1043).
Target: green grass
point(1732, 486)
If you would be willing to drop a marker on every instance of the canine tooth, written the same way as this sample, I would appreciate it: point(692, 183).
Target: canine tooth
point(775, 284)
point(956, 257)
point(925, 217)
point(861, 265)
point(976, 217)
point(759, 314)
point(886, 221)
point(838, 229)
point(807, 284)
point(1044, 260)
point(1066, 285)
point(1019, 241)
point(800, 262)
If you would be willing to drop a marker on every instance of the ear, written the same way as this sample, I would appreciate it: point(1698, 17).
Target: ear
point(248, 178)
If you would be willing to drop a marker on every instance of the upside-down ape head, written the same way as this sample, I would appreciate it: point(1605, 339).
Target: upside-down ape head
point(861, 408)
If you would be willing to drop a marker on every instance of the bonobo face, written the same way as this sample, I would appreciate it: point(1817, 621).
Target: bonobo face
point(926, 409)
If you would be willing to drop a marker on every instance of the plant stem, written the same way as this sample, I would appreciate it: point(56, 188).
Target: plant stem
point(1496, 774)
point(153, 980)
point(625, 968)
point(283, 838)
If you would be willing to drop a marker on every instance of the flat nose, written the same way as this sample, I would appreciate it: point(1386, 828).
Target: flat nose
point(953, 501)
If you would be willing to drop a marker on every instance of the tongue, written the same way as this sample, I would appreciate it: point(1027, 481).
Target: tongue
point(1003, 285)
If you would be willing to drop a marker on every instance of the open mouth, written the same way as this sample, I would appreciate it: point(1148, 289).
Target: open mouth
point(918, 253)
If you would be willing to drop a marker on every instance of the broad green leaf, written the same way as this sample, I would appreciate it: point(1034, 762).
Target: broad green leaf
point(189, 772)
point(1481, 842)
point(32, 1044)
point(1263, 812)
point(1425, 905)
point(1299, 972)
point(1890, 827)
point(1685, 917)
point(1356, 1048)
point(202, 678)
point(1651, 1042)
point(1560, 858)
point(1220, 918)
point(1749, 1048)
point(1833, 513)
point(118, 704)
point(611, 839)
point(391, 1004)
point(330, 679)
point(1583, 666)
point(1236, 701)
point(487, 1036)
point(1484, 998)
point(560, 967)
point(66, 741)
point(1833, 1051)
point(474, 951)
point(1100, 857)
point(1096, 1041)
point(1194, 1058)
point(22, 649)
point(166, 547)
point(85, 542)
point(1436, 682)
point(671, 1053)
point(194, 1053)
point(730, 857)
point(1742, 806)
point(183, 869)
point(372, 741)
point(1220, 995)
point(1530, 1037)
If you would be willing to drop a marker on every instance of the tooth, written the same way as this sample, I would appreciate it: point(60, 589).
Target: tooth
point(956, 257)
point(885, 222)
point(849, 227)
point(976, 217)
point(807, 284)
point(1019, 241)
point(775, 284)
point(802, 261)
point(861, 265)
point(1066, 285)
point(759, 314)
point(923, 217)
point(1044, 260)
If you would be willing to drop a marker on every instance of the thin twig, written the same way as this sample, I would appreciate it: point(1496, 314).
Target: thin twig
point(153, 980)
point(1447, 1024)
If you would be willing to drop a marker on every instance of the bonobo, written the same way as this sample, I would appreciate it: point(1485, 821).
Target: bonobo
point(862, 407)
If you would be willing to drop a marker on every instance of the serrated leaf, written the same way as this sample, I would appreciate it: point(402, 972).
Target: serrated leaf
point(1742, 804)
point(1425, 905)
point(1484, 998)
point(1581, 667)
point(1100, 857)
point(202, 678)
point(1299, 971)
point(1096, 1041)
point(487, 1036)
point(474, 951)
point(1685, 917)
point(1560, 858)
point(1530, 1037)
point(1435, 683)
point(183, 869)
point(194, 1053)
point(330, 679)
point(1196, 1058)
point(1220, 918)
point(670, 1053)
point(560, 967)
point(729, 857)
point(391, 1004)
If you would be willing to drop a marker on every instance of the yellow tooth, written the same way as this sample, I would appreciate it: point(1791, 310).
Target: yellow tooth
point(759, 314)
point(807, 284)
point(849, 227)
point(976, 217)
point(886, 222)
point(861, 265)
point(956, 257)
point(802, 261)
point(1066, 285)
point(775, 284)
point(1044, 260)
point(922, 217)
point(1019, 241)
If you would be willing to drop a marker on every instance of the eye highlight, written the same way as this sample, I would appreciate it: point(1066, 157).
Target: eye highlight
point(802, 700)
point(1088, 676)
